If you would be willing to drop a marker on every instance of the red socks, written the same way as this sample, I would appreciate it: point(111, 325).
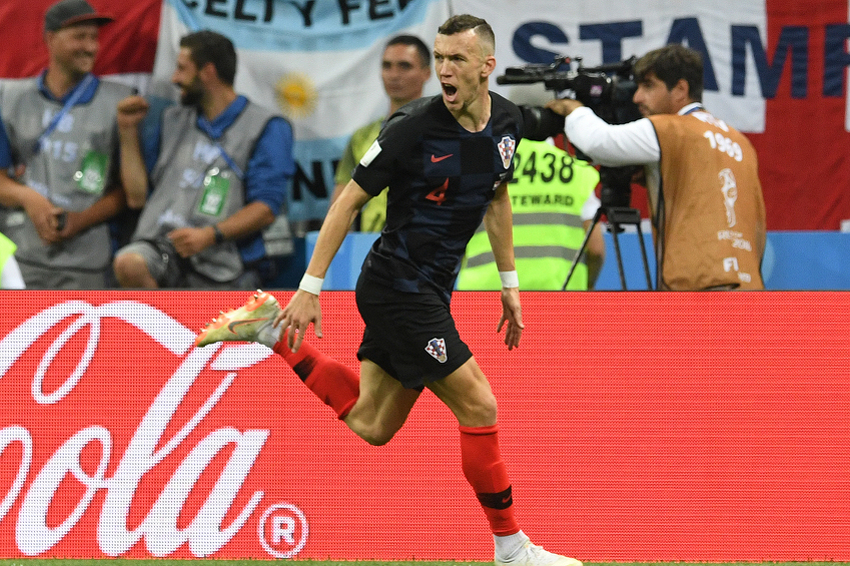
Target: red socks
point(486, 473)
point(334, 383)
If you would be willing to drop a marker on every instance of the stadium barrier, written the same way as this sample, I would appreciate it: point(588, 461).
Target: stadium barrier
point(635, 427)
point(793, 261)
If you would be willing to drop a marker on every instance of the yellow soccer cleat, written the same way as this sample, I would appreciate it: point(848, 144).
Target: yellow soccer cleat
point(242, 324)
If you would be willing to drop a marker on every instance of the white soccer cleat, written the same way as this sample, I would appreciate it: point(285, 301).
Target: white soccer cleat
point(244, 323)
point(532, 555)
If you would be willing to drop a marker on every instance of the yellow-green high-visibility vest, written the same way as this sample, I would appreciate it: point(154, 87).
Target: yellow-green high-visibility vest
point(547, 194)
point(373, 215)
point(7, 250)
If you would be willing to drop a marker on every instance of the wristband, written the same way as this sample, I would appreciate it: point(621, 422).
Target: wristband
point(219, 237)
point(311, 284)
point(510, 279)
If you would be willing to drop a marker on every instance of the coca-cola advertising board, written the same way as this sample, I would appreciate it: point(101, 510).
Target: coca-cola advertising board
point(635, 427)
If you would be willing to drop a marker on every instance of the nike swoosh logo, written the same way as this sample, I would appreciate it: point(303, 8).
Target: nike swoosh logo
point(435, 159)
point(236, 323)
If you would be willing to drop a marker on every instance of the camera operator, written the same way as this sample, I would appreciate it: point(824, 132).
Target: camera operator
point(702, 175)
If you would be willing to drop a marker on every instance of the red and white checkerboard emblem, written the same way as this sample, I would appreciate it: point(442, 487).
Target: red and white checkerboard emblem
point(437, 348)
point(506, 150)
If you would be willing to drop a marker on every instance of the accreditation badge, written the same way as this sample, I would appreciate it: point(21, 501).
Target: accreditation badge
point(91, 178)
point(216, 186)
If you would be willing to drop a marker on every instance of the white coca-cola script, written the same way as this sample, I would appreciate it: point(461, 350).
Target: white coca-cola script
point(159, 529)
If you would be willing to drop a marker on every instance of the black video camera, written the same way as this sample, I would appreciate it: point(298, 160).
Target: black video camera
point(607, 90)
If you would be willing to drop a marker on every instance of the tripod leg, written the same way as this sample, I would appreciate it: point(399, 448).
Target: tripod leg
point(615, 228)
point(645, 260)
point(576, 259)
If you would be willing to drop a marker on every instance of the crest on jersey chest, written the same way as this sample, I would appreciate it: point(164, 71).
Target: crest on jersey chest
point(507, 146)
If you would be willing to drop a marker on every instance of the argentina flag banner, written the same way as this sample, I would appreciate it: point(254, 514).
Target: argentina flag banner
point(318, 63)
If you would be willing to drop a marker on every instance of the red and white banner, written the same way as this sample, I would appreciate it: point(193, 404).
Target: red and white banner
point(128, 45)
point(635, 427)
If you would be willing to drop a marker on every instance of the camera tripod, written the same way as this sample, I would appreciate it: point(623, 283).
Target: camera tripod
point(616, 197)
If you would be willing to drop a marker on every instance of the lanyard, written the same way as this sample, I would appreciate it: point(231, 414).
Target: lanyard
point(207, 129)
point(72, 100)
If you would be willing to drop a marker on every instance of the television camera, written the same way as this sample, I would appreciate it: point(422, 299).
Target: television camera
point(608, 90)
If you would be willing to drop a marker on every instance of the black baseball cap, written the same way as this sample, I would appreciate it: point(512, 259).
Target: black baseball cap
point(69, 12)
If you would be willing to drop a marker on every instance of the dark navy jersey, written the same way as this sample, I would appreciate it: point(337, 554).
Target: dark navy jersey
point(441, 179)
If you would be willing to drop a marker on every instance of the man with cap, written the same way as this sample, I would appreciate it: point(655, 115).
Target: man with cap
point(59, 157)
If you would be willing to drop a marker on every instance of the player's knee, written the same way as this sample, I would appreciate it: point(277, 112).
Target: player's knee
point(375, 436)
point(377, 439)
point(485, 411)
point(480, 410)
point(371, 432)
point(471, 400)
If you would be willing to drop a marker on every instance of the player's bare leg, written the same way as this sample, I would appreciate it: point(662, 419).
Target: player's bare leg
point(382, 407)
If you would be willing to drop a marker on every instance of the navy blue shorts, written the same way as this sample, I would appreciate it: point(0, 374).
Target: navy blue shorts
point(411, 336)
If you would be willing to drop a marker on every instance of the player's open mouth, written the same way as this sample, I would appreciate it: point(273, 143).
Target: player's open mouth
point(449, 90)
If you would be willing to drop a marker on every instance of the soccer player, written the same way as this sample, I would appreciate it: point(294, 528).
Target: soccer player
point(446, 160)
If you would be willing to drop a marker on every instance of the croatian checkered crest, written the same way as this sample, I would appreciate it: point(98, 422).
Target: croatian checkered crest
point(437, 348)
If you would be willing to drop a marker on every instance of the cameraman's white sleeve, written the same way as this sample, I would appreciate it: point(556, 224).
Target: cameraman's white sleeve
point(634, 143)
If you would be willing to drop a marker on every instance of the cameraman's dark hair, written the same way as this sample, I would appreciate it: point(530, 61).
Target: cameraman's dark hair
point(463, 22)
point(421, 49)
point(208, 46)
point(671, 63)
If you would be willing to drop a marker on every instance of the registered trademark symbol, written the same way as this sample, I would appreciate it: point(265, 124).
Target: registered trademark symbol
point(283, 530)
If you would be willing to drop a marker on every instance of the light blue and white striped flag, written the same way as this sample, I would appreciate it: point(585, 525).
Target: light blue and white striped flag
point(318, 62)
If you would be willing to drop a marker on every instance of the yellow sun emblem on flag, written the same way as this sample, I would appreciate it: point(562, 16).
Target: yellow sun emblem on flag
point(296, 95)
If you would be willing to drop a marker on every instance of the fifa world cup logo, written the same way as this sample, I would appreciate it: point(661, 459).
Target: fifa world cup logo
point(730, 194)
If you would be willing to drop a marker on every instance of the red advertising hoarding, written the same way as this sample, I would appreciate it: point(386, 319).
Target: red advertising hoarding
point(635, 427)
